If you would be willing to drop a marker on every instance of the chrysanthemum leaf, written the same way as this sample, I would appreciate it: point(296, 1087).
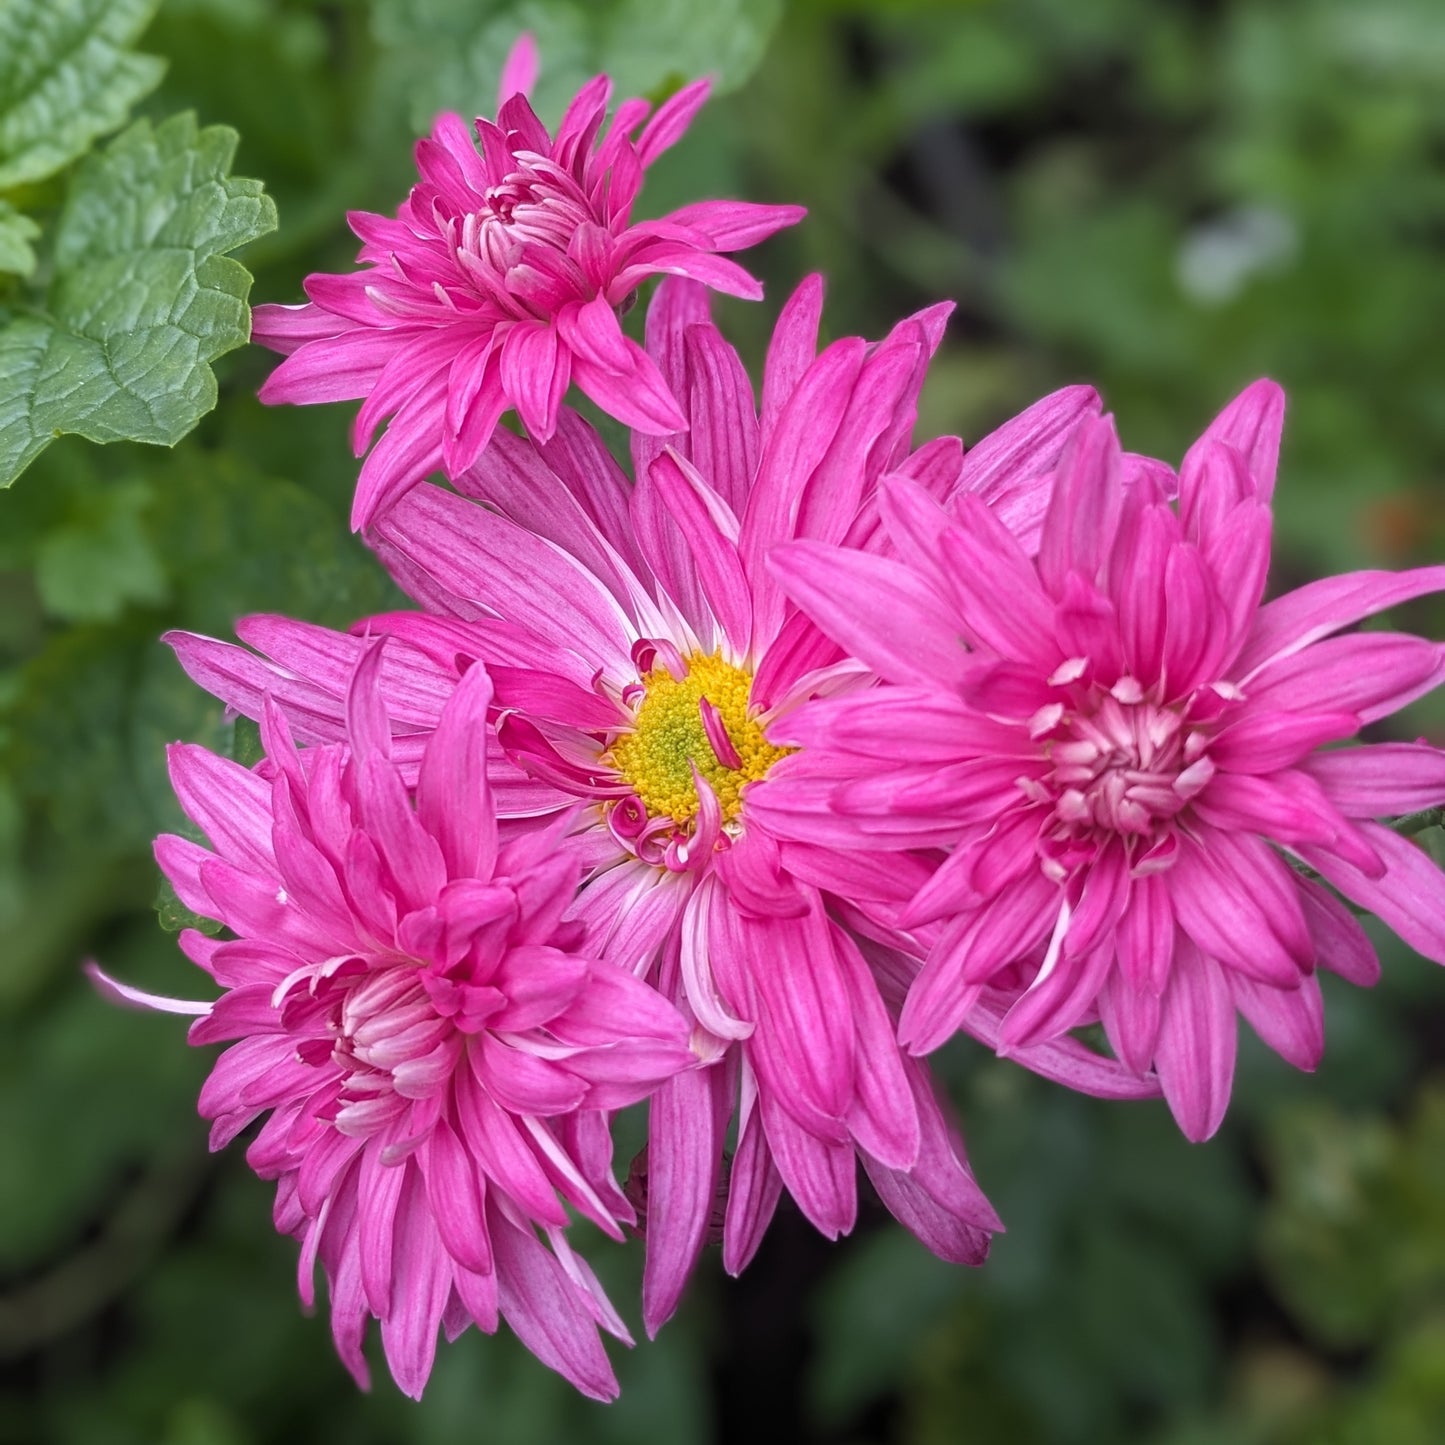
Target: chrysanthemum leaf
point(67, 75)
point(143, 297)
point(447, 54)
point(100, 559)
point(17, 257)
point(84, 732)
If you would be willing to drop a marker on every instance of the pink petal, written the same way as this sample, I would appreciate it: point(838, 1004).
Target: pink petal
point(1000, 602)
point(754, 1188)
point(519, 70)
point(1197, 1041)
point(722, 441)
point(287, 328)
point(453, 799)
point(1251, 424)
point(937, 1199)
point(1381, 779)
point(1083, 513)
point(1239, 902)
point(1130, 1016)
point(1301, 617)
point(803, 1049)
point(477, 554)
point(791, 351)
point(335, 367)
point(635, 395)
point(736, 225)
point(1371, 674)
point(975, 948)
point(407, 453)
point(1063, 1061)
point(456, 1193)
point(821, 1176)
point(230, 804)
point(1290, 1021)
point(540, 1302)
point(673, 117)
point(502, 1153)
point(687, 1116)
point(1343, 946)
point(1011, 468)
point(1265, 742)
point(124, 993)
point(534, 374)
point(422, 1282)
point(905, 634)
point(1410, 897)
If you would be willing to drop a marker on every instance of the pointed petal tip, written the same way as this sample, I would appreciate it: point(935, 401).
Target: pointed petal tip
point(520, 69)
point(128, 996)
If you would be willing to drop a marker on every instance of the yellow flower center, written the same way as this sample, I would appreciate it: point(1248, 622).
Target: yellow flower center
point(669, 739)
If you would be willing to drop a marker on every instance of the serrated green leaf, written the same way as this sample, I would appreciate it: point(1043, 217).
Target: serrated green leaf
point(67, 75)
point(144, 297)
point(16, 234)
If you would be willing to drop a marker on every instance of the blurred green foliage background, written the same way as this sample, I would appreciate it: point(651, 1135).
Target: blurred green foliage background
point(1166, 199)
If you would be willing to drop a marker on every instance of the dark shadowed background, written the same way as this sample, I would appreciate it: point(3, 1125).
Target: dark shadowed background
point(1164, 199)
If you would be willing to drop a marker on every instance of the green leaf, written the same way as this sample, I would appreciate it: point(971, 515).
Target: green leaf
point(16, 234)
point(448, 54)
point(648, 43)
point(90, 568)
point(84, 739)
point(144, 297)
point(67, 75)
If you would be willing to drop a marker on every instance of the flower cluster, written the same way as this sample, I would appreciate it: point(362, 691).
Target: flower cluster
point(744, 782)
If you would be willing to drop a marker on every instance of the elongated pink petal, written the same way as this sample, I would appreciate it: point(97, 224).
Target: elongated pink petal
point(1381, 779)
point(1371, 674)
point(1196, 1047)
point(519, 70)
point(673, 117)
point(1251, 424)
point(287, 328)
point(408, 452)
point(539, 1301)
point(1409, 897)
point(230, 804)
point(937, 1199)
point(452, 799)
point(1130, 1016)
point(467, 548)
point(1290, 1021)
point(820, 1175)
point(124, 993)
point(1083, 513)
point(986, 941)
point(903, 635)
point(1235, 898)
point(754, 1185)
point(685, 1137)
point(1343, 946)
point(803, 1048)
point(1304, 616)
point(732, 225)
point(792, 349)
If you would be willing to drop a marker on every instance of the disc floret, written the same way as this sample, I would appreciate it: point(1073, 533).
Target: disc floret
point(701, 719)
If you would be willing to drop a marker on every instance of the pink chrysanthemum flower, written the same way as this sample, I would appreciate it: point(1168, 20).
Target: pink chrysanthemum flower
point(641, 651)
point(500, 280)
point(433, 1046)
point(1121, 748)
